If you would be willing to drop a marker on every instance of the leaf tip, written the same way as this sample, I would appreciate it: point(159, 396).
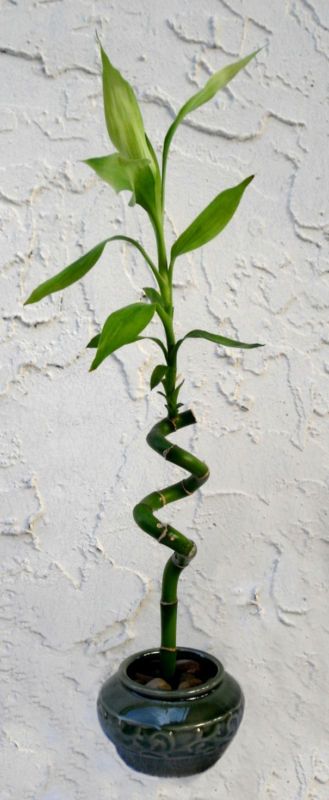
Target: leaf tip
point(255, 53)
point(246, 181)
point(29, 300)
point(259, 49)
point(97, 38)
point(106, 63)
point(94, 341)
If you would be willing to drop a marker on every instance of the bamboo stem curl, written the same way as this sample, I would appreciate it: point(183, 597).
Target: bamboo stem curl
point(183, 547)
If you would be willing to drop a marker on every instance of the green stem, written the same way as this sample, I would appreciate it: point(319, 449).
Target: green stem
point(161, 246)
point(167, 320)
point(166, 145)
point(168, 605)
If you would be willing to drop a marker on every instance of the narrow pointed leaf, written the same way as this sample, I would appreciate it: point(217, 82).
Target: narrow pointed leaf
point(153, 295)
point(157, 341)
point(121, 173)
point(122, 113)
point(211, 221)
point(157, 175)
point(126, 130)
point(156, 298)
point(223, 340)
point(157, 375)
point(122, 327)
point(153, 156)
point(94, 341)
point(145, 190)
point(175, 392)
point(124, 174)
point(213, 85)
point(74, 272)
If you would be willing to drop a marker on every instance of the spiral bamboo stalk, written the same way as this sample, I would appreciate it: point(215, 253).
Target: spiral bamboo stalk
point(184, 548)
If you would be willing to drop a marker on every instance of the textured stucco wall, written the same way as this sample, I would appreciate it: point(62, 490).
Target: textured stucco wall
point(79, 581)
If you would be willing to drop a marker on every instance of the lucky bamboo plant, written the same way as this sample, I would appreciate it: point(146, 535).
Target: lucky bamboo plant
point(135, 167)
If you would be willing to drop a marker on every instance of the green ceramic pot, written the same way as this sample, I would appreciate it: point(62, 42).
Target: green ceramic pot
point(170, 734)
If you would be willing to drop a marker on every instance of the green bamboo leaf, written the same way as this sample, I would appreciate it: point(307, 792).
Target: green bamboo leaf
point(176, 390)
point(74, 272)
point(145, 191)
point(138, 166)
point(156, 298)
point(213, 85)
point(122, 113)
point(157, 176)
point(213, 337)
point(157, 375)
point(94, 341)
point(211, 221)
point(122, 327)
point(157, 341)
point(153, 295)
point(156, 168)
point(121, 173)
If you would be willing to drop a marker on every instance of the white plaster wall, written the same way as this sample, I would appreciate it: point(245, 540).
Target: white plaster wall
point(80, 582)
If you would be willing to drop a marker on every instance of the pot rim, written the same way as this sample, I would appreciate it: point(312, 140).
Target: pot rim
point(175, 694)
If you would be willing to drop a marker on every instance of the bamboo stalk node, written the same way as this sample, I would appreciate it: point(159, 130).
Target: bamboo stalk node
point(173, 422)
point(168, 602)
point(165, 452)
point(164, 533)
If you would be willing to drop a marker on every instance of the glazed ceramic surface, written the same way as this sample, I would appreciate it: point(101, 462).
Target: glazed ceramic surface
point(175, 733)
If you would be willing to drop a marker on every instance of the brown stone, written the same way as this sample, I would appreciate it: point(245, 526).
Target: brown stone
point(188, 665)
point(188, 681)
point(159, 683)
point(140, 677)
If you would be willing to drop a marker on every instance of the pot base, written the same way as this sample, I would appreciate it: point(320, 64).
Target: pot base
point(173, 768)
point(170, 734)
